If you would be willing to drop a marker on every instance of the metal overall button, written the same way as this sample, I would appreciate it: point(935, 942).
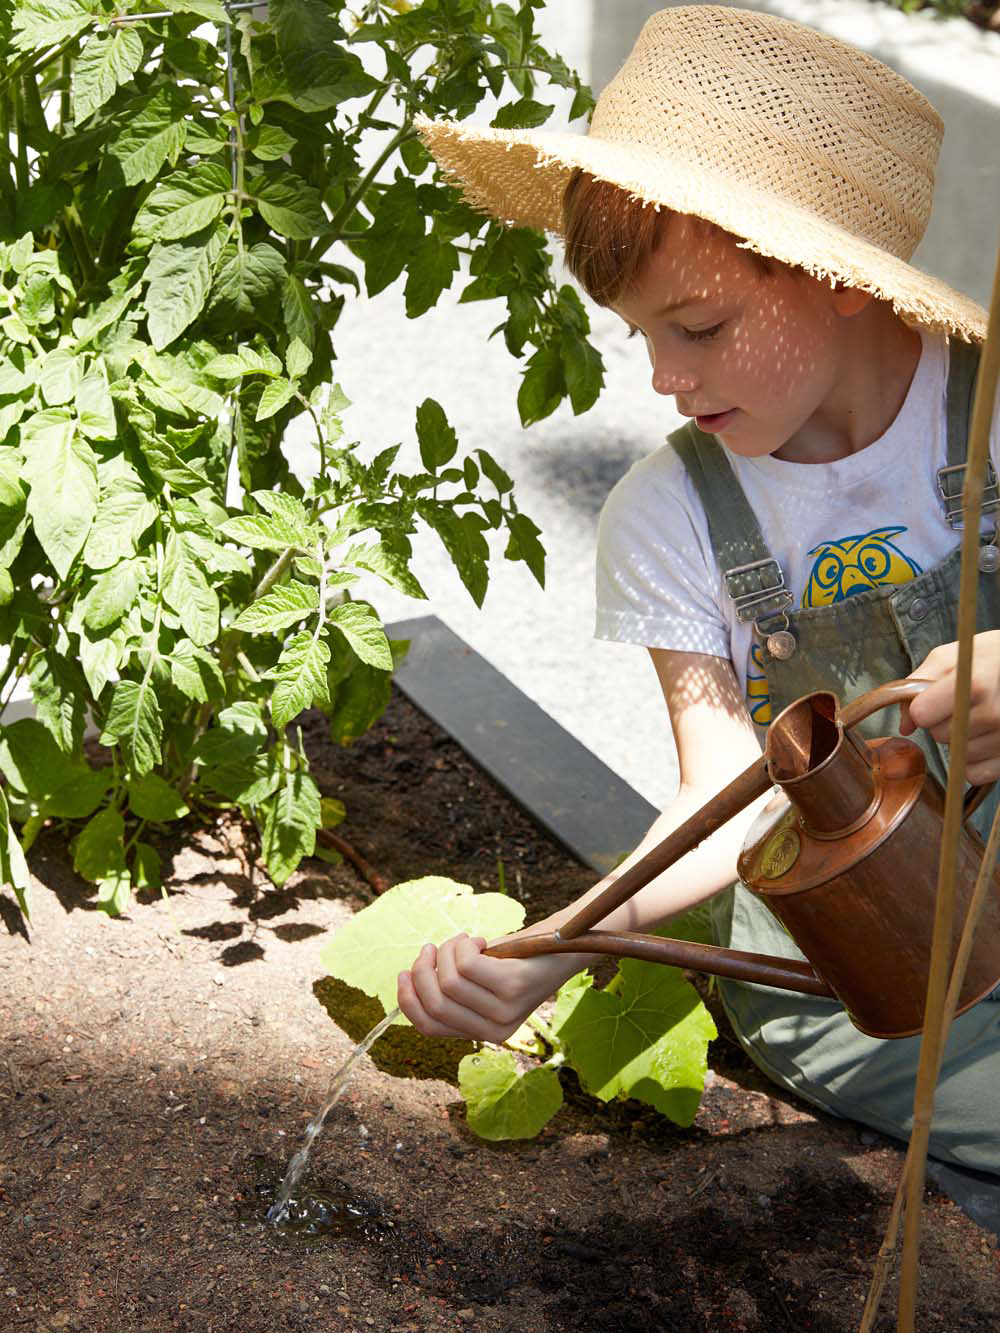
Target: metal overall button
point(919, 608)
point(781, 643)
point(989, 554)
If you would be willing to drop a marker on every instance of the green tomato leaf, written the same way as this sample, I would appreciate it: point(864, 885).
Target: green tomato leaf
point(279, 608)
point(542, 387)
point(184, 203)
point(179, 279)
point(583, 370)
point(524, 545)
point(39, 23)
point(62, 472)
point(95, 407)
point(187, 591)
point(57, 687)
point(438, 441)
point(384, 938)
point(245, 279)
point(390, 564)
point(462, 537)
point(358, 701)
point(106, 61)
point(99, 849)
point(114, 892)
point(59, 377)
point(298, 358)
point(13, 867)
point(501, 1101)
point(290, 825)
point(289, 205)
point(112, 594)
point(152, 133)
point(213, 10)
point(146, 867)
point(99, 660)
point(320, 73)
point(59, 784)
point(644, 1037)
point(363, 630)
point(270, 143)
point(150, 797)
point(396, 231)
point(297, 310)
point(273, 399)
point(196, 673)
point(239, 733)
point(524, 114)
point(299, 678)
point(248, 782)
point(134, 721)
point(429, 272)
point(123, 515)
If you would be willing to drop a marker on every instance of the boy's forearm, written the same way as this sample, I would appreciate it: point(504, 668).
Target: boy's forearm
point(705, 871)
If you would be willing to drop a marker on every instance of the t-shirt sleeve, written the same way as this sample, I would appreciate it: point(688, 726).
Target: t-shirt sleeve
point(657, 581)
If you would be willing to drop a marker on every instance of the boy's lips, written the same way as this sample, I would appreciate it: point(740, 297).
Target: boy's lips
point(712, 422)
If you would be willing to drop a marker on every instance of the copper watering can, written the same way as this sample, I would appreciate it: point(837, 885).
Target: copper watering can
point(845, 856)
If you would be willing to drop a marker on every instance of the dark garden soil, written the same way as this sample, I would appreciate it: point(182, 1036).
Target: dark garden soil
point(157, 1071)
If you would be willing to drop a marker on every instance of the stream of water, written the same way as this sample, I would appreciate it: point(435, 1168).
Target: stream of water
point(297, 1165)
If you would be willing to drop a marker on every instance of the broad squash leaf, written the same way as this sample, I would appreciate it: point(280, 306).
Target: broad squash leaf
point(501, 1101)
point(385, 937)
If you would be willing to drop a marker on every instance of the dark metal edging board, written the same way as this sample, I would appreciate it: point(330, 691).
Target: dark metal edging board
point(561, 784)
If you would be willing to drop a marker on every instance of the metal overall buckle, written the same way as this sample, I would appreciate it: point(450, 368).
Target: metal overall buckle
point(950, 484)
point(758, 592)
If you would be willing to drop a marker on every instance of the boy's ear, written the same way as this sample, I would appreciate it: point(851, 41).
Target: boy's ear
point(848, 301)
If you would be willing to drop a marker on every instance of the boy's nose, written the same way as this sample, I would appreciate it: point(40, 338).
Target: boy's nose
point(671, 379)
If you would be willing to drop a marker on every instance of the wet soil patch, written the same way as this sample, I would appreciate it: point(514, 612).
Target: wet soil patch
point(157, 1072)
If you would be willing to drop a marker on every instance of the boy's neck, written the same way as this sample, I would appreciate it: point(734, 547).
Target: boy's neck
point(878, 356)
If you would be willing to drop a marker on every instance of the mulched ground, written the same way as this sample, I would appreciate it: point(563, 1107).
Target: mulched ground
point(156, 1073)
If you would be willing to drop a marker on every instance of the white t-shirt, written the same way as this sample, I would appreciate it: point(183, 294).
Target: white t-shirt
point(873, 518)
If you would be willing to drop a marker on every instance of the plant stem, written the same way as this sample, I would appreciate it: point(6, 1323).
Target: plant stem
point(345, 210)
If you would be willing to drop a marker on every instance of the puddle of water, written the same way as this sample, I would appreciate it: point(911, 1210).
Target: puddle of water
point(323, 1214)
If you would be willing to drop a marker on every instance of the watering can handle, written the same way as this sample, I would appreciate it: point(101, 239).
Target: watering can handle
point(897, 692)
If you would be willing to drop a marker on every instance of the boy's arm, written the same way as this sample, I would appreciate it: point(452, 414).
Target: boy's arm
point(455, 990)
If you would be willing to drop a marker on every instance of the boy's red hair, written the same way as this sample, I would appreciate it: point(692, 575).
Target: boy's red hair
point(610, 235)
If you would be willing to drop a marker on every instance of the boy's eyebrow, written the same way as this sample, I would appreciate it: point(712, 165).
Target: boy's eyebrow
point(669, 309)
point(678, 305)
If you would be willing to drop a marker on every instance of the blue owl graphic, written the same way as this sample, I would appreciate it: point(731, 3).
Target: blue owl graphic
point(841, 569)
point(851, 565)
point(758, 694)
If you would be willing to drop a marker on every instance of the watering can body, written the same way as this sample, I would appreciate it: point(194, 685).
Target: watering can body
point(859, 899)
point(845, 856)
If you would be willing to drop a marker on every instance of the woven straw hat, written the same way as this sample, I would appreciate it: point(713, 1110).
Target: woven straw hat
point(809, 150)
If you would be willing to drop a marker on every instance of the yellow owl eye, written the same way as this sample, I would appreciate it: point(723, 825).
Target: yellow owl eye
point(828, 571)
point(874, 560)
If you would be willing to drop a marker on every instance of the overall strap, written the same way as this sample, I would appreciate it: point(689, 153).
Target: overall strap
point(963, 364)
point(753, 578)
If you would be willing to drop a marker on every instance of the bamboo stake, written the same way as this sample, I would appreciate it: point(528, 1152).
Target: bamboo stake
point(935, 1013)
point(984, 881)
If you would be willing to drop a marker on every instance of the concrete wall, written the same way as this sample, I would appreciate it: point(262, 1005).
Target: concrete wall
point(953, 63)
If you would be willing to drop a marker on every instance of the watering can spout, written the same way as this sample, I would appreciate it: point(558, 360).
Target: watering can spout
point(841, 858)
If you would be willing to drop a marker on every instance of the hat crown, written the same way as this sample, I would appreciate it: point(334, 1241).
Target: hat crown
point(782, 109)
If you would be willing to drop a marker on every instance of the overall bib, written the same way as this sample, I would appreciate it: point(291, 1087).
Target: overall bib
point(807, 1043)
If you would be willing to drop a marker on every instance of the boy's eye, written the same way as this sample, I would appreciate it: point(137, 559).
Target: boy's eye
point(703, 335)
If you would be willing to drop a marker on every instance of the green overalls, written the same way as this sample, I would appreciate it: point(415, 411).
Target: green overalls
point(805, 1043)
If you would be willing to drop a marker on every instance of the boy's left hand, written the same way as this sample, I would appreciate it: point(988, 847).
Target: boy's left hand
point(934, 708)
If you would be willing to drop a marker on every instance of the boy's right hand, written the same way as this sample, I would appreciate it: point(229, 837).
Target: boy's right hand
point(455, 990)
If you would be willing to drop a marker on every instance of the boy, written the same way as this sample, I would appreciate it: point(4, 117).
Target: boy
point(747, 199)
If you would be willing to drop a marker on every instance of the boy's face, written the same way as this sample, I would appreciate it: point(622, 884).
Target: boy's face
point(752, 355)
